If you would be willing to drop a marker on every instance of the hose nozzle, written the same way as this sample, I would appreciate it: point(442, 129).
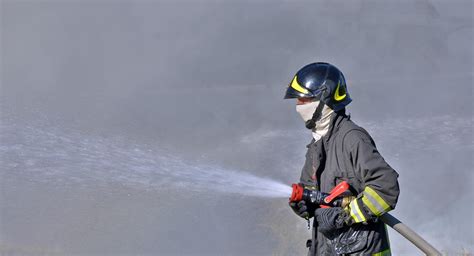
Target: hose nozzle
point(296, 193)
point(316, 197)
point(309, 195)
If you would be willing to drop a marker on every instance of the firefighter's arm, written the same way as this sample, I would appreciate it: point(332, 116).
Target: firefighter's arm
point(379, 180)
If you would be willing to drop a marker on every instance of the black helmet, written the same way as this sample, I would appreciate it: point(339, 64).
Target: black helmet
point(323, 81)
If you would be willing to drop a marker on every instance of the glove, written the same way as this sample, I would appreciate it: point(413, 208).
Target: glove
point(330, 220)
point(302, 210)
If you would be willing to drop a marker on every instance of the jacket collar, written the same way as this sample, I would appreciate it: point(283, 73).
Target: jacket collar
point(333, 128)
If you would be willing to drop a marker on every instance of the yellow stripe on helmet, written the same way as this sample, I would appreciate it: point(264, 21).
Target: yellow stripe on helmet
point(295, 85)
point(338, 97)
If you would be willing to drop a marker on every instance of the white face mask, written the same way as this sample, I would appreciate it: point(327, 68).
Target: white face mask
point(306, 112)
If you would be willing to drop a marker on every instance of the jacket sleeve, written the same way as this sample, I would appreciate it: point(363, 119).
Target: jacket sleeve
point(378, 180)
point(307, 170)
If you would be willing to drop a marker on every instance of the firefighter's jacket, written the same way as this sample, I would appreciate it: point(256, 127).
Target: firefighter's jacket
point(348, 153)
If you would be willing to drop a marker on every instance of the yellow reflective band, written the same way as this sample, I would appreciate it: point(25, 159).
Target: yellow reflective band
point(359, 211)
point(356, 214)
point(295, 85)
point(367, 201)
point(383, 253)
point(377, 202)
point(338, 97)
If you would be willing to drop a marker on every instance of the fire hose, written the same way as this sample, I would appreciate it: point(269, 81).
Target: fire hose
point(335, 199)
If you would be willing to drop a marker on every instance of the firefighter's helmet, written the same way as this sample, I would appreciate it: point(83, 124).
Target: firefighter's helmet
point(322, 81)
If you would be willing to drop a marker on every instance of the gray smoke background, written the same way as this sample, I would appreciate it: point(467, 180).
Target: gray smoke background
point(148, 127)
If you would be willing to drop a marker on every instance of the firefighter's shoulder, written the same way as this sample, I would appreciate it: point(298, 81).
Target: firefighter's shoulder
point(353, 134)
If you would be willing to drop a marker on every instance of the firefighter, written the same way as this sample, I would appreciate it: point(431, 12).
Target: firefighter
point(341, 151)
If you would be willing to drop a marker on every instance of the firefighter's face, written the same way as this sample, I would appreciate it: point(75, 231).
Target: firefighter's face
point(302, 101)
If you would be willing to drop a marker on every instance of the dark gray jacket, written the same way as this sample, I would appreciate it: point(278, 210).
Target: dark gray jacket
point(348, 153)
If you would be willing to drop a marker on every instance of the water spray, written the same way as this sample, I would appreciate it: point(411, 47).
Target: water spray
point(65, 157)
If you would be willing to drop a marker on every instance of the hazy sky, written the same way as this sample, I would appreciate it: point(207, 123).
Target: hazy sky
point(90, 89)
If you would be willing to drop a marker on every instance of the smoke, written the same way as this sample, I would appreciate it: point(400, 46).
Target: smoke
point(147, 127)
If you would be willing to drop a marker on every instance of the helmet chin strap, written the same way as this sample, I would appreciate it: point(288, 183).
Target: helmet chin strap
point(311, 123)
